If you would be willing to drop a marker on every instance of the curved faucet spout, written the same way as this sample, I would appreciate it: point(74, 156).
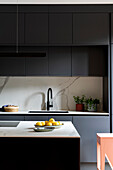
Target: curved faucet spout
point(49, 102)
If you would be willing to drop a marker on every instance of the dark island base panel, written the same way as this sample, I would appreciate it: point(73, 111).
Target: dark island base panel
point(40, 153)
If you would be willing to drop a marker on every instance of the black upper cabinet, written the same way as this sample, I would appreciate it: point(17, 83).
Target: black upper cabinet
point(8, 25)
point(91, 28)
point(79, 61)
point(37, 63)
point(90, 61)
point(33, 25)
point(12, 66)
point(60, 28)
point(60, 61)
point(36, 28)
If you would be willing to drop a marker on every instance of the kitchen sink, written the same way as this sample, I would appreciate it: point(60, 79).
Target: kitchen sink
point(46, 111)
point(9, 123)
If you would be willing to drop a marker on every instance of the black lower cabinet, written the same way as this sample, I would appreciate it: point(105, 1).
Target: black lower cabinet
point(40, 153)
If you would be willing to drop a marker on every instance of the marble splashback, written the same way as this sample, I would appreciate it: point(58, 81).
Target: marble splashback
point(31, 92)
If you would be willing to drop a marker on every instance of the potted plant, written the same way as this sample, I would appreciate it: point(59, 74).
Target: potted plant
point(92, 104)
point(79, 102)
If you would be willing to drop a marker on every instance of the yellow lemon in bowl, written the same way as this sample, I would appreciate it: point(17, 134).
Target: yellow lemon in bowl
point(59, 123)
point(43, 123)
point(38, 124)
point(52, 120)
point(48, 124)
point(55, 123)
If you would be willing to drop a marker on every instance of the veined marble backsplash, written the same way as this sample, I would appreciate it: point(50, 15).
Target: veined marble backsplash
point(30, 93)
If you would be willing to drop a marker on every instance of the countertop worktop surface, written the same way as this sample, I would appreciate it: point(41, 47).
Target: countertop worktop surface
point(25, 129)
point(56, 2)
point(70, 113)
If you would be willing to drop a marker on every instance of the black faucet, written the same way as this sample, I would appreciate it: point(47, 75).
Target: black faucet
point(49, 103)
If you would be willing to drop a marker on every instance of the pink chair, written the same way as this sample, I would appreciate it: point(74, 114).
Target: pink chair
point(104, 149)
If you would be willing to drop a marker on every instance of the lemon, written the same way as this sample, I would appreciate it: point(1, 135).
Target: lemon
point(59, 123)
point(48, 124)
point(51, 120)
point(39, 124)
point(55, 123)
point(43, 123)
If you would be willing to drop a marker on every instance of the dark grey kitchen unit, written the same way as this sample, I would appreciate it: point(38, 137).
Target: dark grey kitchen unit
point(36, 28)
point(61, 118)
point(91, 28)
point(33, 25)
point(44, 118)
point(12, 118)
point(60, 61)
point(87, 127)
point(80, 61)
point(90, 61)
point(12, 66)
point(36, 60)
point(50, 26)
point(36, 66)
point(36, 118)
point(60, 28)
point(8, 25)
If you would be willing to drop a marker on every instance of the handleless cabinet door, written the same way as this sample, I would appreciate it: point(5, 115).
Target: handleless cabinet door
point(12, 66)
point(8, 25)
point(60, 28)
point(60, 61)
point(80, 61)
point(38, 65)
point(36, 28)
point(12, 118)
point(87, 127)
point(36, 118)
point(91, 28)
point(89, 61)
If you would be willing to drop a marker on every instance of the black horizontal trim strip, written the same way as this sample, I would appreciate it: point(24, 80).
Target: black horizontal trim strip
point(38, 54)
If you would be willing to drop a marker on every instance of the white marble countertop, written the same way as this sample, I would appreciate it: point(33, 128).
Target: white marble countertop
point(25, 129)
point(56, 2)
point(68, 114)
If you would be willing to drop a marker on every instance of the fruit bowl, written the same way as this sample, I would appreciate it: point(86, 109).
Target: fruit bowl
point(51, 124)
point(49, 127)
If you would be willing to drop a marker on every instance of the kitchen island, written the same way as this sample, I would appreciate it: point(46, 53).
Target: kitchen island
point(23, 148)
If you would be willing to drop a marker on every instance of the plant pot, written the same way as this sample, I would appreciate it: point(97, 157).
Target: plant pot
point(79, 107)
point(92, 108)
